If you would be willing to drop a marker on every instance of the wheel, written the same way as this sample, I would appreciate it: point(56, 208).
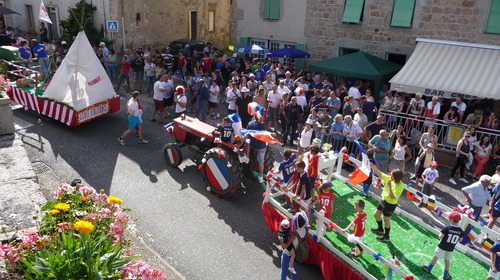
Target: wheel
point(222, 171)
point(172, 154)
point(268, 161)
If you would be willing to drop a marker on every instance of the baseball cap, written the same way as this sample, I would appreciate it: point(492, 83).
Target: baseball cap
point(235, 55)
point(245, 89)
point(455, 216)
point(285, 223)
point(430, 145)
point(201, 80)
point(180, 89)
point(252, 75)
point(434, 163)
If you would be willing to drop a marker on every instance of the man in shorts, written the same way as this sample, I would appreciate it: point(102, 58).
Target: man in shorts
point(168, 96)
point(393, 188)
point(259, 146)
point(134, 119)
point(159, 89)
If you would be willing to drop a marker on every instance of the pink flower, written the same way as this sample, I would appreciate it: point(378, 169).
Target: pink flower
point(63, 226)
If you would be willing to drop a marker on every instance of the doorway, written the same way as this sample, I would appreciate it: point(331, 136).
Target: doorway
point(54, 27)
point(193, 15)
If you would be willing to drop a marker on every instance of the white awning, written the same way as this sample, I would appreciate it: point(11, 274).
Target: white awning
point(447, 68)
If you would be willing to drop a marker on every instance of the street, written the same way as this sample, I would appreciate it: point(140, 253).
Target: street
point(202, 236)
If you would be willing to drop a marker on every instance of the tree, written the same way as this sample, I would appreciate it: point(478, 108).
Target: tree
point(81, 14)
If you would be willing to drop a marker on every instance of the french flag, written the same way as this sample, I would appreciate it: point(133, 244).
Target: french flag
point(262, 135)
point(361, 173)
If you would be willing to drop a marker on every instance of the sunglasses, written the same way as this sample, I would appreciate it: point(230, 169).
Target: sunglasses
point(467, 136)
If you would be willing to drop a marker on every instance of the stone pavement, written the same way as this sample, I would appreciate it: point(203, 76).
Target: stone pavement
point(22, 189)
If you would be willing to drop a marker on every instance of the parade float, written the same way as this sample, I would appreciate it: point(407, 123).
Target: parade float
point(79, 91)
point(413, 240)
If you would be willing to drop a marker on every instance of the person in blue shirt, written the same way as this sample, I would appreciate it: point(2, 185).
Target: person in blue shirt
point(259, 146)
point(334, 104)
point(337, 132)
point(494, 272)
point(43, 58)
point(266, 67)
point(259, 73)
point(24, 54)
point(381, 145)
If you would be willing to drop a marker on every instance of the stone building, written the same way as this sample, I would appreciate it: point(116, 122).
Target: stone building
point(155, 23)
point(385, 28)
point(389, 28)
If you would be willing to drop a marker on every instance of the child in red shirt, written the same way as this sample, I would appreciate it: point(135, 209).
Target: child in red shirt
point(313, 162)
point(359, 228)
point(325, 199)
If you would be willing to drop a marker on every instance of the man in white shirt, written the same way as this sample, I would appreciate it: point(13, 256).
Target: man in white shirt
point(282, 88)
point(232, 93)
point(159, 89)
point(459, 103)
point(180, 100)
point(417, 105)
point(477, 195)
point(301, 83)
point(354, 92)
point(433, 108)
point(274, 99)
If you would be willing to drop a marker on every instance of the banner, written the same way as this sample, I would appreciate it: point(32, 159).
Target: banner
point(44, 16)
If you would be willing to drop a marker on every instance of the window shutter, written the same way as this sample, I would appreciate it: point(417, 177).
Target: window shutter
point(353, 10)
point(402, 14)
point(274, 9)
point(266, 10)
point(493, 24)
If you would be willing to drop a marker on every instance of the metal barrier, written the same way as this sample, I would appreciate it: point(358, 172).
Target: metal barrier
point(448, 133)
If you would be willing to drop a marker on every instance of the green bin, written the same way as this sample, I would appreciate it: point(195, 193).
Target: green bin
point(8, 53)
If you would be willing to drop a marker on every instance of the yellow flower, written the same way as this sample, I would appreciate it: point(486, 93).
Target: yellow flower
point(113, 200)
point(84, 227)
point(84, 199)
point(54, 212)
point(62, 207)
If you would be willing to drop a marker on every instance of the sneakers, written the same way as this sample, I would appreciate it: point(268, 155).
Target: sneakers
point(464, 180)
point(377, 231)
point(292, 270)
point(425, 268)
point(452, 181)
point(120, 140)
point(261, 180)
point(447, 277)
point(383, 238)
point(142, 141)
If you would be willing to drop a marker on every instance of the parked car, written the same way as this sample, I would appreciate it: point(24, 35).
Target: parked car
point(187, 47)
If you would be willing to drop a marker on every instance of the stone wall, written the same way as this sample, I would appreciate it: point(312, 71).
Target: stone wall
point(455, 20)
point(155, 23)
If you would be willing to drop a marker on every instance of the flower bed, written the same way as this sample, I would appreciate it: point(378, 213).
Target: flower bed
point(80, 236)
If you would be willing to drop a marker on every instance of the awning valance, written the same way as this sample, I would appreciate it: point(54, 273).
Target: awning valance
point(448, 68)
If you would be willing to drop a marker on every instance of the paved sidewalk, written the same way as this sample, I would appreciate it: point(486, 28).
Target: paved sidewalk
point(22, 189)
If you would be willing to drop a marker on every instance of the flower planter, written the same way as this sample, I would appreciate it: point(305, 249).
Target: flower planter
point(6, 117)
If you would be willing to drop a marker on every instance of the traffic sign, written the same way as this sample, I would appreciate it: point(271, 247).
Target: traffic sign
point(112, 26)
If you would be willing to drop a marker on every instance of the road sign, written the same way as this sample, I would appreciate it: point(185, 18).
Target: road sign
point(112, 26)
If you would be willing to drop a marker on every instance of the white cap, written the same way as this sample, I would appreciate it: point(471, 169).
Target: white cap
point(245, 89)
point(235, 55)
point(252, 75)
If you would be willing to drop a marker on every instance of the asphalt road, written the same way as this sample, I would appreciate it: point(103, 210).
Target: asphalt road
point(202, 236)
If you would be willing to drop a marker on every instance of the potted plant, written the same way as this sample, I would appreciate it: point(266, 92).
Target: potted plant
point(6, 117)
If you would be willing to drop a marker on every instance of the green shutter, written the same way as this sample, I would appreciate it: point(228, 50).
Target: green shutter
point(299, 62)
point(266, 10)
point(353, 10)
point(244, 41)
point(402, 15)
point(274, 9)
point(493, 24)
point(271, 9)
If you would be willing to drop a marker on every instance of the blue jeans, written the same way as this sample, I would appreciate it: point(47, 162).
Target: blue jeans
point(44, 65)
point(293, 126)
point(325, 137)
point(201, 107)
point(150, 83)
point(112, 70)
point(285, 263)
point(123, 77)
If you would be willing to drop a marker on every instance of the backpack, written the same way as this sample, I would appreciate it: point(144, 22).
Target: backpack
point(302, 252)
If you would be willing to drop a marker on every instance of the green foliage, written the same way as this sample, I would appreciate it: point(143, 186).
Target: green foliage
point(71, 26)
point(76, 256)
